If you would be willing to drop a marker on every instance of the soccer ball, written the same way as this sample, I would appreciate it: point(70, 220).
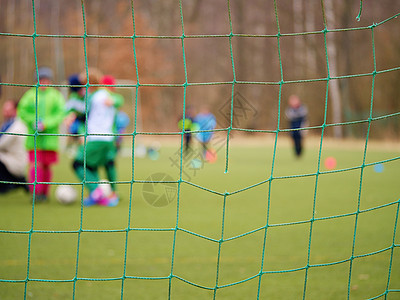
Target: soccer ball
point(66, 194)
point(105, 187)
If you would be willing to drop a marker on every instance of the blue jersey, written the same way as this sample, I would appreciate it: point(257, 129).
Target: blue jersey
point(206, 121)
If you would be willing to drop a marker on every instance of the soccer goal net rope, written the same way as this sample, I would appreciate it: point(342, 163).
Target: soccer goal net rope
point(259, 279)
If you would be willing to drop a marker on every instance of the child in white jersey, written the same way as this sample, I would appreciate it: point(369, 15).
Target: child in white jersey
point(100, 146)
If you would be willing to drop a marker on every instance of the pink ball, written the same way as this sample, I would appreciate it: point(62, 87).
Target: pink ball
point(330, 163)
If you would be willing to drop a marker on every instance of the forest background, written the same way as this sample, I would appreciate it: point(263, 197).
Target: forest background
point(151, 50)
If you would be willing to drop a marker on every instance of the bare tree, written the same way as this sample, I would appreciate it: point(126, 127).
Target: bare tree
point(334, 90)
point(240, 61)
point(345, 49)
point(58, 43)
point(207, 58)
point(299, 46)
point(311, 57)
point(11, 49)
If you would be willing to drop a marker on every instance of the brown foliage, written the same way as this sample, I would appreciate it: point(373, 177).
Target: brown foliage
point(145, 46)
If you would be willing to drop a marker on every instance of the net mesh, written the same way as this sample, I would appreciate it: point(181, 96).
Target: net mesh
point(222, 240)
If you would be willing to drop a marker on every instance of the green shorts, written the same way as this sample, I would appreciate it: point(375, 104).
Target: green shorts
point(98, 153)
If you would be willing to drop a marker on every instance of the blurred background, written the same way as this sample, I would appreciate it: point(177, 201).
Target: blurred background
point(143, 43)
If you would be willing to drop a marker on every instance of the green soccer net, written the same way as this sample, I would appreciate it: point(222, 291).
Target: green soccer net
point(255, 223)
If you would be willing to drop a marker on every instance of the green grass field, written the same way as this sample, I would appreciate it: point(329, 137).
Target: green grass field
point(220, 239)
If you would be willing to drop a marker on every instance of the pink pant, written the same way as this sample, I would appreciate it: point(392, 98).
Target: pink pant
point(41, 170)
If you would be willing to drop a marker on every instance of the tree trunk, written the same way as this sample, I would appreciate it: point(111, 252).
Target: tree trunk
point(11, 50)
point(95, 49)
point(58, 43)
point(311, 57)
point(345, 49)
point(334, 90)
point(240, 57)
point(298, 49)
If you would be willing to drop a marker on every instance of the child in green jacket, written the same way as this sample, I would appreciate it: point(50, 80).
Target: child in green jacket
point(42, 110)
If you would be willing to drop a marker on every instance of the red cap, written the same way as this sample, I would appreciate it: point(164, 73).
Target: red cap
point(108, 80)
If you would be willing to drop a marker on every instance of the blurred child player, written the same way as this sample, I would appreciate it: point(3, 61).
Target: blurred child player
point(296, 112)
point(121, 121)
point(42, 149)
point(189, 126)
point(13, 158)
point(100, 146)
point(207, 123)
point(75, 106)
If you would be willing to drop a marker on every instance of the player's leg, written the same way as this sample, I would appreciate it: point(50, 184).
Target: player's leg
point(5, 175)
point(47, 175)
point(109, 165)
point(188, 139)
point(96, 156)
point(88, 174)
point(47, 160)
point(87, 169)
point(37, 173)
point(111, 172)
point(297, 142)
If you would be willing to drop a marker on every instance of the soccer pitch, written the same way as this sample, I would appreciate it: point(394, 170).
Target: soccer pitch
point(324, 228)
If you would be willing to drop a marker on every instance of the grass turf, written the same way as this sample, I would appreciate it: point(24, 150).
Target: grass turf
point(220, 239)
